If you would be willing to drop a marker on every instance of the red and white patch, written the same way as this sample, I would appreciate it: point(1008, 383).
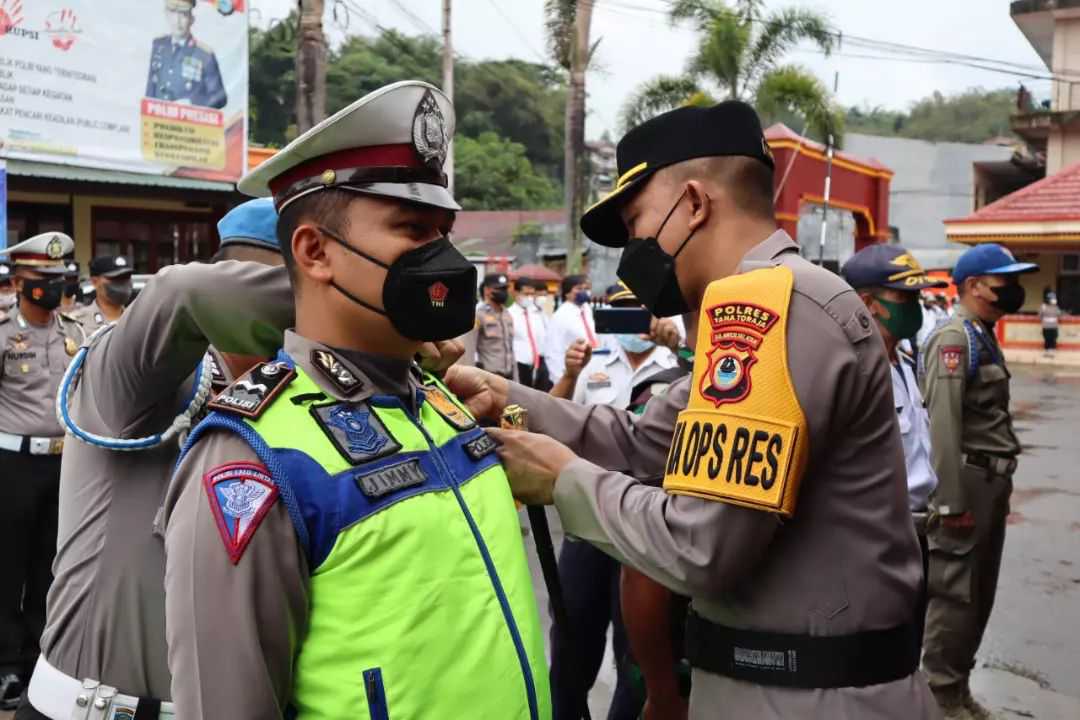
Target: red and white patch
point(240, 495)
point(951, 355)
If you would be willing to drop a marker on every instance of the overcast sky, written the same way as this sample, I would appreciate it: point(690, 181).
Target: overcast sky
point(637, 42)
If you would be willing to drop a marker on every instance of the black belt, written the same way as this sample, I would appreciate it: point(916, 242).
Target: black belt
point(871, 657)
point(993, 464)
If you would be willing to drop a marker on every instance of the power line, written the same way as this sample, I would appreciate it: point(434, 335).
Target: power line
point(517, 31)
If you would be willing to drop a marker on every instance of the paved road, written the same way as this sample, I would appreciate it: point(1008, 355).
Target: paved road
point(1034, 633)
point(1030, 661)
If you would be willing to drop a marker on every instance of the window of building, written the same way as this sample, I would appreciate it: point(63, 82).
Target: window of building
point(25, 220)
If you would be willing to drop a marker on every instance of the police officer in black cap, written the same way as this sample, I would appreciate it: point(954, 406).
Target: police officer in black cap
point(111, 276)
point(782, 511)
point(495, 328)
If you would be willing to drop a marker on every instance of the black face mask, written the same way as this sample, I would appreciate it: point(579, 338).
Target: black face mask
point(71, 289)
point(118, 293)
point(45, 293)
point(429, 292)
point(499, 296)
point(650, 272)
point(1010, 298)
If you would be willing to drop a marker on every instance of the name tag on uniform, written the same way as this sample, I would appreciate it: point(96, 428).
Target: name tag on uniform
point(386, 480)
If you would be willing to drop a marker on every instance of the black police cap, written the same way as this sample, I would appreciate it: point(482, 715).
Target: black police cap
point(495, 280)
point(110, 266)
point(727, 129)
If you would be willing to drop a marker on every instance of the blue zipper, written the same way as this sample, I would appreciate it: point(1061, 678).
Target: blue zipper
point(376, 694)
point(508, 615)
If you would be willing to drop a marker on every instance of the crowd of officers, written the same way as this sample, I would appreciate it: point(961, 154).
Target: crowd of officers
point(272, 490)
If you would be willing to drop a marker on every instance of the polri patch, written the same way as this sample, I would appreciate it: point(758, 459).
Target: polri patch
point(356, 431)
point(240, 495)
point(336, 372)
point(951, 355)
point(381, 482)
point(450, 411)
point(251, 394)
point(481, 447)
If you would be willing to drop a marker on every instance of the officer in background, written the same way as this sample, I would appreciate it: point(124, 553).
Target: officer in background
point(530, 334)
point(8, 297)
point(889, 280)
point(495, 328)
point(783, 512)
point(104, 638)
point(70, 300)
point(401, 589)
point(111, 277)
point(966, 385)
point(182, 68)
point(36, 344)
point(572, 321)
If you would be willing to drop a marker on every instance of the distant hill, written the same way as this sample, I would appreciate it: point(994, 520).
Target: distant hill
point(973, 116)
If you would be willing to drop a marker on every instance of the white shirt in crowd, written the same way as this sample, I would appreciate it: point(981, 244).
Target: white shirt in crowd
point(915, 432)
point(932, 317)
point(569, 323)
point(528, 317)
point(609, 379)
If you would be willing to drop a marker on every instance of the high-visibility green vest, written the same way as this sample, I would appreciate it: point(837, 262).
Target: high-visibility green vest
point(421, 602)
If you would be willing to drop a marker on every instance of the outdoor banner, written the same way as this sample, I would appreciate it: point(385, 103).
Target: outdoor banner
point(152, 86)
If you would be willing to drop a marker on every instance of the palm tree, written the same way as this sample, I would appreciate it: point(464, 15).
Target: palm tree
point(740, 58)
point(568, 24)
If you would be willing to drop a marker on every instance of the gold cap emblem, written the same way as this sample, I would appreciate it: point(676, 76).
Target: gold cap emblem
point(328, 177)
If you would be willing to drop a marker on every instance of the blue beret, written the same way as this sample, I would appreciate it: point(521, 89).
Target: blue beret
point(252, 223)
point(988, 259)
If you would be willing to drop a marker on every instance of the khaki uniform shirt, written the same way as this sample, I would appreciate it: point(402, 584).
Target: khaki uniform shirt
point(33, 359)
point(234, 630)
point(848, 560)
point(106, 608)
point(495, 340)
point(91, 317)
point(969, 413)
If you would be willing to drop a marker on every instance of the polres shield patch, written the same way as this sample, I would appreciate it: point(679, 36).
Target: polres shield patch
point(240, 495)
point(738, 329)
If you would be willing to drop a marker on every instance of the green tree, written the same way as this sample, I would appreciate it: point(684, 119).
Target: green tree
point(971, 116)
point(272, 83)
point(492, 173)
point(739, 56)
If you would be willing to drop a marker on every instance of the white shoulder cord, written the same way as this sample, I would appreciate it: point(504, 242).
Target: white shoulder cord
point(180, 424)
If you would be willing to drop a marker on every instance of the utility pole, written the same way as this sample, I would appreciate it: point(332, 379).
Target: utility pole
point(310, 66)
point(448, 86)
point(830, 149)
point(574, 148)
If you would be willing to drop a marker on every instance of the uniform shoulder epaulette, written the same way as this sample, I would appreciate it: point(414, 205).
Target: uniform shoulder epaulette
point(70, 317)
point(253, 392)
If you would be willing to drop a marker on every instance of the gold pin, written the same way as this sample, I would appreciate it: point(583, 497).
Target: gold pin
point(328, 177)
point(70, 346)
point(24, 368)
point(514, 417)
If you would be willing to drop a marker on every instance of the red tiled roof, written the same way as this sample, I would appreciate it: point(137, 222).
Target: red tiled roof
point(491, 232)
point(1056, 197)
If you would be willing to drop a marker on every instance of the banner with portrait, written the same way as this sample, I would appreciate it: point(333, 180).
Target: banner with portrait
point(151, 86)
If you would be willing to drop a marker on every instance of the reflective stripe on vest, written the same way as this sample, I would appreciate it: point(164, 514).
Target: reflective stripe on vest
point(421, 602)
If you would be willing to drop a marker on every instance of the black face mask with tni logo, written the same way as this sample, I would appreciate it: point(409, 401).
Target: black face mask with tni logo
point(429, 292)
